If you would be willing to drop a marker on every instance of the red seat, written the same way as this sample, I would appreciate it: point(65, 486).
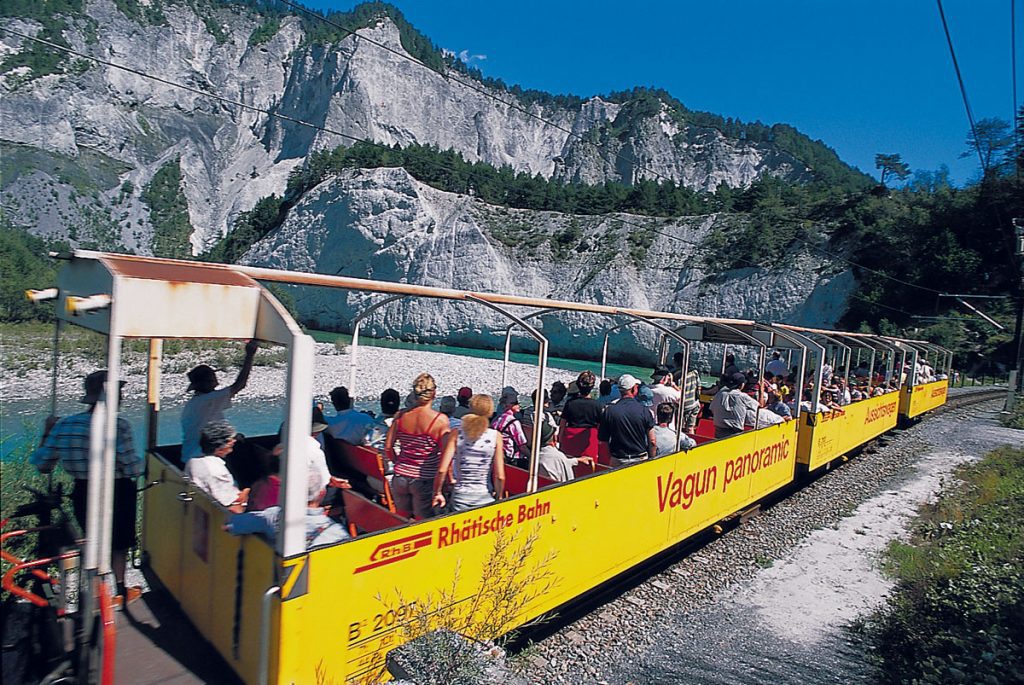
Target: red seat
point(517, 480)
point(365, 516)
point(604, 454)
point(368, 462)
point(579, 442)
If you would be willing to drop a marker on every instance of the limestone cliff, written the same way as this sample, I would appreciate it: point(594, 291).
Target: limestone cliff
point(90, 138)
point(383, 224)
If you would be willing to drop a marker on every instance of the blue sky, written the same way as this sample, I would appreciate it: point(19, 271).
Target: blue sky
point(865, 77)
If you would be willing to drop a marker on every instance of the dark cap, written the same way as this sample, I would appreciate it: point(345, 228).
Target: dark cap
point(199, 374)
point(390, 401)
point(660, 371)
point(94, 387)
point(465, 393)
point(736, 380)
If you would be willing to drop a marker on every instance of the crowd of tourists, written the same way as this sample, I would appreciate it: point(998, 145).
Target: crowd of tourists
point(455, 457)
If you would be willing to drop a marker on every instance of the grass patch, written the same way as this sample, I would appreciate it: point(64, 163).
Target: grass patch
point(957, 612)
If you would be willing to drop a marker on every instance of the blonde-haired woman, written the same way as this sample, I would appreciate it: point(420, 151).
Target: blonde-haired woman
point(418, 432)
point(473, 453)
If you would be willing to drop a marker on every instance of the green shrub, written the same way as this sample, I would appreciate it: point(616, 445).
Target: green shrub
point(957, 612)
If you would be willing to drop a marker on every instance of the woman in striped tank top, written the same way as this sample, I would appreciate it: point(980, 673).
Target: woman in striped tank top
point(473, 453)
point(418, 432)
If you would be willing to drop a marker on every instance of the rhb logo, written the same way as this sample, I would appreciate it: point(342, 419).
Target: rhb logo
point(397, 550)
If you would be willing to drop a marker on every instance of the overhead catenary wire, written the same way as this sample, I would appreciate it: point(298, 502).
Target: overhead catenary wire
point(451, 76)
point(301, 122)
point(963, 90)
point(1014, 124)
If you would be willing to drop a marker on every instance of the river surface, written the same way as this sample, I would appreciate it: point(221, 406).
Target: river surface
point(21, 420)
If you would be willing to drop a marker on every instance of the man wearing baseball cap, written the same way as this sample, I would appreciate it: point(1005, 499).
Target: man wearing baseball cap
point(628, 427)
point(209, 402)
point(67, 441)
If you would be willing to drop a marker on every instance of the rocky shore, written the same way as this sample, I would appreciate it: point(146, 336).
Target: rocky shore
point(378, 368)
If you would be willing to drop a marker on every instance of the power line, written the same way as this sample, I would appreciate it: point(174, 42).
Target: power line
point(867, 268)
point(451, 76)
point(963, 91)
point(1013, 72)
point(294, 120)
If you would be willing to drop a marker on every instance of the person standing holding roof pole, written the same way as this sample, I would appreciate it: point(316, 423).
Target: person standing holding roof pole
point(67, 440)
point(209, 402)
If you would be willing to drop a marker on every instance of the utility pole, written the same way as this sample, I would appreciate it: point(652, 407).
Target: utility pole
point(1017, 381)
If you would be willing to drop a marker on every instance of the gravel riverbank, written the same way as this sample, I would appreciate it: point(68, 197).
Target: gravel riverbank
point(378, 368)
point(766, 602)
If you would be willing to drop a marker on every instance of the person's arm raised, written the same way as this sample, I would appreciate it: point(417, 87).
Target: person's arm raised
point(243, 375)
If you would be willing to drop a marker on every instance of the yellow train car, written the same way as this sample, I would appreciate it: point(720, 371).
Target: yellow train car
point(279, 613)
point(918, 399)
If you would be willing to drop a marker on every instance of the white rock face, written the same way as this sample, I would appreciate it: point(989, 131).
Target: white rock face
point(231, 156)
point(383, 224)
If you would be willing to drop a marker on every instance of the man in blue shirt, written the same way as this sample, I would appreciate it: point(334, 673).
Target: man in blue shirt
point(628, 427)
point(67, 441)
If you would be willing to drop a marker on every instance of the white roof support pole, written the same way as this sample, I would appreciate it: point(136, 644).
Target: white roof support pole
point(357, 325)
point(111, 398)
point(542, 365)
point(291, 537)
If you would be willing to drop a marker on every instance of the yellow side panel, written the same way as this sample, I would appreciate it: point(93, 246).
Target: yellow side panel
point(218, 579)
point(162, 523)
point(545, 548)
point(921, 398)
point(823, 437)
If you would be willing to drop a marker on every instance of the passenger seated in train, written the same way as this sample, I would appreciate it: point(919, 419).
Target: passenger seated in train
point(665, 432)
point(553, 463)
point(510, 426)
point(762, 417)
point(527, 415)
point(663, 388)
point(463, 397)
point(577, 431)
point(447, 407)
point(419, 432)
point(607, 392)
point(558, 398)
point(777, 406)
point(472, 461)
point(627, 426)
point(266, 491)
point(390, 402)
point(347, 424)
point(209, 473)
point(730, 368)
point(730, 405)
point(320, 528)
point(776, 367)
point(209, 402)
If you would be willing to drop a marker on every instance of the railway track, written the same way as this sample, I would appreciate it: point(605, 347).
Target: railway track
point(609, 591)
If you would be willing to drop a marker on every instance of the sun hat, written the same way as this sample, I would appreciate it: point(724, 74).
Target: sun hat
point(199, 374)
point(509, 396)
point(628, 382)
point(646, 396)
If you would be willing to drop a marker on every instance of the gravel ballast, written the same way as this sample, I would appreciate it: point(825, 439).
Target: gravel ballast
point(744, 608)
